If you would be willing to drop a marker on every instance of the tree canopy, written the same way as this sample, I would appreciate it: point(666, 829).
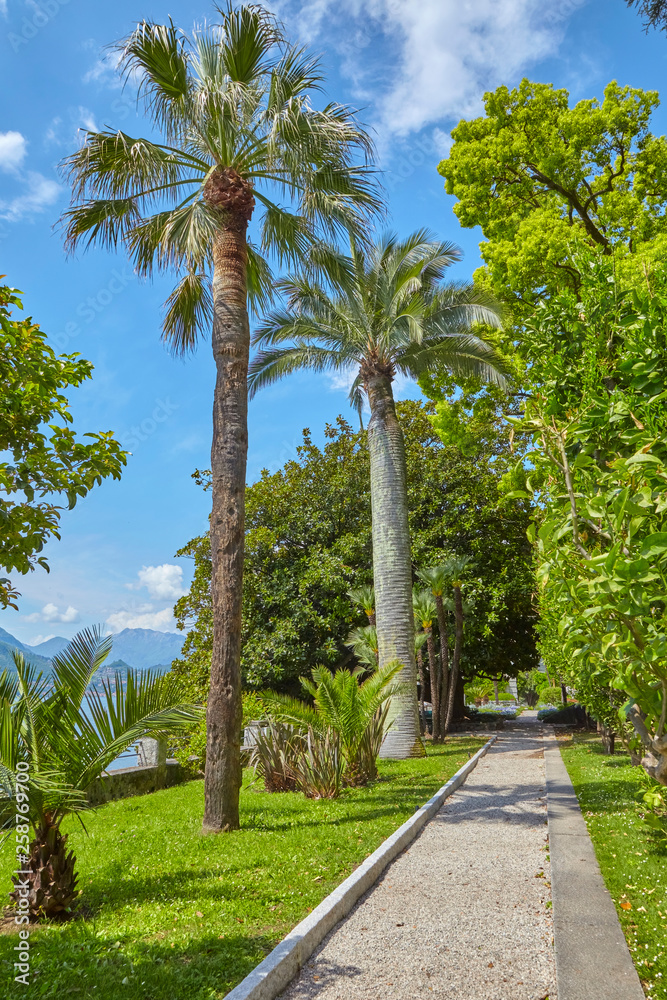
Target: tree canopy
point(541, 177)
point(46, 468)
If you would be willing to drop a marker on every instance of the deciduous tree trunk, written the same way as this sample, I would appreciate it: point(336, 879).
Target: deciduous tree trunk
point(392, 567)
point(231, 348)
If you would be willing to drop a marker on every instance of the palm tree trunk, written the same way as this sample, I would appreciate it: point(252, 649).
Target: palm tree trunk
point(456, 661)
point(422, 680)
point(48, 875)
point(231, 348)
point(444, 663)
point(436, 684)
point(392, 567)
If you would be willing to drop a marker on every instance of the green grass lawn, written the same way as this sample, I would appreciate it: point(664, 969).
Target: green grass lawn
point(632, 861)
point(175, 915)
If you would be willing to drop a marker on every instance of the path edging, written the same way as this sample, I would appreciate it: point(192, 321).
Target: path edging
point(280, 966)
point(592, 956)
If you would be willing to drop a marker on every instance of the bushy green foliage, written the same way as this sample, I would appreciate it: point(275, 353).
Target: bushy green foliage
point(599, 424)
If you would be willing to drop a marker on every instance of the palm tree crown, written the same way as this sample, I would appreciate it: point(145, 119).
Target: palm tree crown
point(233, 104)
point(385, 311)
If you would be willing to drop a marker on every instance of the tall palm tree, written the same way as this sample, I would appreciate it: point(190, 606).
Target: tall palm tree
point(232, 106)
point(377, 313)
point(67, 731)
point(437, 579)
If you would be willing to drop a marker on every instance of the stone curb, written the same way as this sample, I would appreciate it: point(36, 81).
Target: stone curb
point(280, 966)
point(592, 957)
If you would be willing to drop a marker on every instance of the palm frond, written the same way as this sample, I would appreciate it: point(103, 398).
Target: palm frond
point(75, 666)
point(189, 309)
point(157, 54)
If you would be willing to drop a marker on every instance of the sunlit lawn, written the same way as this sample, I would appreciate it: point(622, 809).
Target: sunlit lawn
point(174, 915)
point(632, 861)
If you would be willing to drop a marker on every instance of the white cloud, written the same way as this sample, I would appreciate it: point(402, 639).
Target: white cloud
point(161, 621)
point(51, 613)
point(422, 63)
point(342, 381)
point(164, 583)
point(39, 639)
point(40, 193)
point(3, 8)
point(12, 151)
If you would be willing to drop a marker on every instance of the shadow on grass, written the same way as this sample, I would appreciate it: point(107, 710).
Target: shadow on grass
point(78, 961)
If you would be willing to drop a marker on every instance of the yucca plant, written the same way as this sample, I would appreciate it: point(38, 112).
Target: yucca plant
point(346, 706)
point(318, 771)
point(68, 732)
point(240, 137)
point(275, 754)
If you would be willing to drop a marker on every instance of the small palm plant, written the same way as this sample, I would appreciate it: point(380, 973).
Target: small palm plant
point(376, 314)
point(456, 566)
point(365, 598)
point(363, 642)
point(68, 732)
point(356, 712)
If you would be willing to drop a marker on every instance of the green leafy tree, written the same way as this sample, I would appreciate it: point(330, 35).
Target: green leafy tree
point(425, 612)
point(382, 312)
point(599, 468)
point(233, 108)
point(42, 457)
point(541, 178)
point(67, 731)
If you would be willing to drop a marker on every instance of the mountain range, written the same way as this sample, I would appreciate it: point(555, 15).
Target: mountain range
point(136, 647)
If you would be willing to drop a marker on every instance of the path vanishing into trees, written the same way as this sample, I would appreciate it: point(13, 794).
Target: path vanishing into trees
point(462, 912)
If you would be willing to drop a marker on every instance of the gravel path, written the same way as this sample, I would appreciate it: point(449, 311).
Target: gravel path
point(461, 914)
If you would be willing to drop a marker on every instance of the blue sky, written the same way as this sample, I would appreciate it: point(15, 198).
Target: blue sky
point(415, 67)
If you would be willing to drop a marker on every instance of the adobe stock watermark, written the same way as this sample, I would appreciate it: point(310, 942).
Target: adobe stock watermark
point(44, 12)
point(138, 433)
point(561, 11)
point(90, 308)
point(421, 150)
point(20, 877)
